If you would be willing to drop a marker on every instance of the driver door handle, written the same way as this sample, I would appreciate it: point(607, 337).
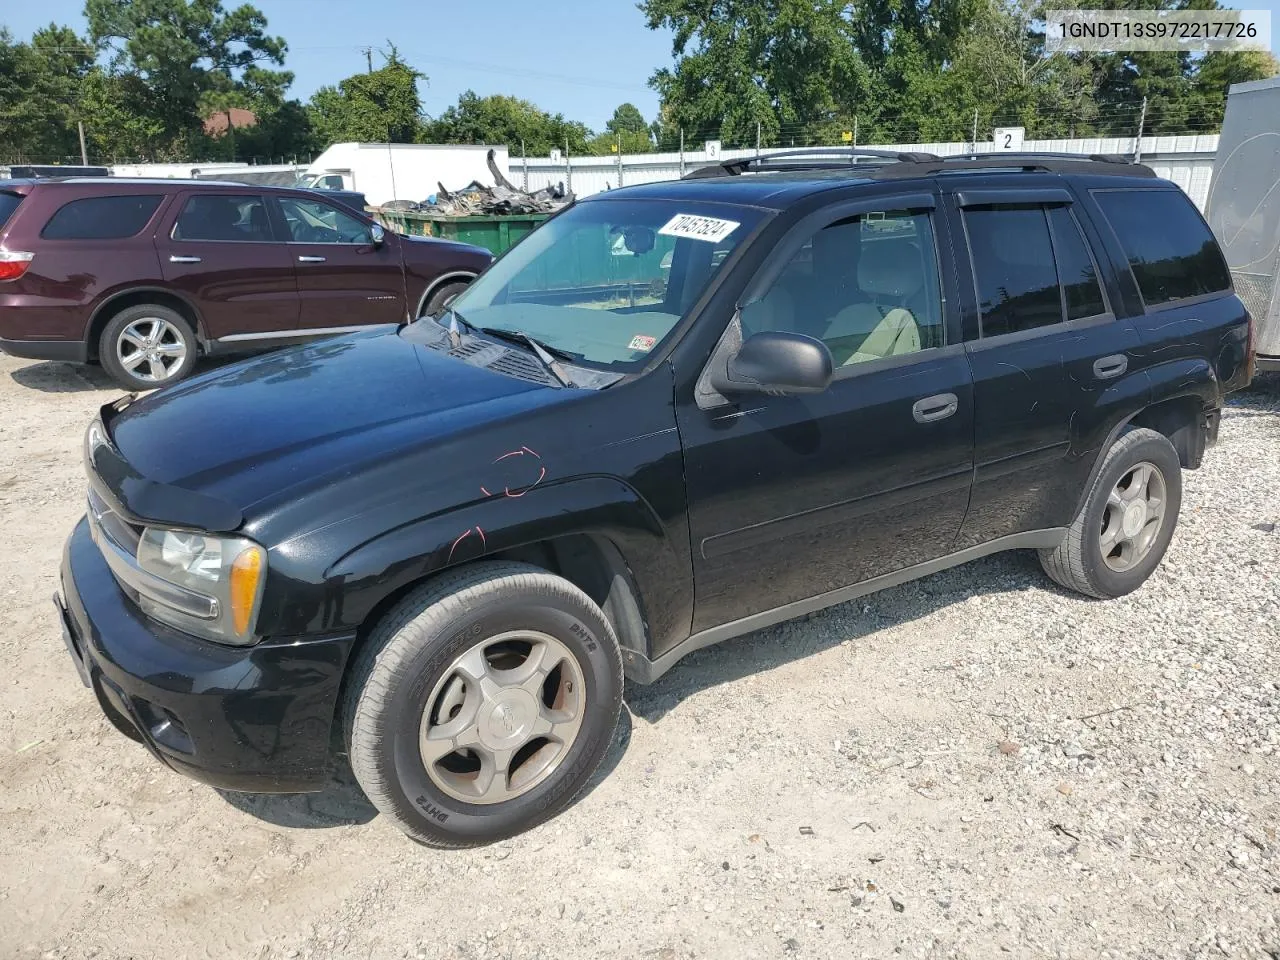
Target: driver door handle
point(938, 407)
point(1104, 368)
point(311, 259)
point(174, 258)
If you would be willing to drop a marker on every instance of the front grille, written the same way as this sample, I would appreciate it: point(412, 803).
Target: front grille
point(123, 534)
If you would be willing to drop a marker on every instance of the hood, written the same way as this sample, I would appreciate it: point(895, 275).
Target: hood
point(257, 428)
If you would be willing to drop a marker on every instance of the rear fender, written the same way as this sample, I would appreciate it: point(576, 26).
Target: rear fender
point(1191, 378)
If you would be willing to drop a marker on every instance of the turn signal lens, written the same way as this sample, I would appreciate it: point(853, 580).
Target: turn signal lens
point(246, 574)
point(13, 264)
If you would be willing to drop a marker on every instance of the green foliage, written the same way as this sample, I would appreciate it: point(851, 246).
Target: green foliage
point(149, 72)
point(39, 83)
point(179, 54)
point(380, 106)
point(501, 119)
point(906, 71)
point(627, 119)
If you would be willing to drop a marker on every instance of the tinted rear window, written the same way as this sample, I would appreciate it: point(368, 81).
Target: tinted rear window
point(8, 203)
point(1013, 266)
point(101, 218)
point(1170, 249)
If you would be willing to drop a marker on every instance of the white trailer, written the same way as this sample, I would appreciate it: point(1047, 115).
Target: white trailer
point(1244, 206)
point(385, 172)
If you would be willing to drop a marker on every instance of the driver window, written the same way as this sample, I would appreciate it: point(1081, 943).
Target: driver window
point(311, 221)
point(866, 286)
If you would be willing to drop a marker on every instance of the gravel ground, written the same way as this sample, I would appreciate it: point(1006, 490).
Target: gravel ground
point(972, 765)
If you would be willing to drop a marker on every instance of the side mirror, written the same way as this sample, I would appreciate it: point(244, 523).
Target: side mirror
point(776, 363)
point(377, 234)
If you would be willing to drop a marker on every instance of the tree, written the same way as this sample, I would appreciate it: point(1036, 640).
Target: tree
point(627, 119)
point(506, 120)
point(786, 65)
point(39, 94)
point(380, 106)
point(903, 70)
point(174, 54)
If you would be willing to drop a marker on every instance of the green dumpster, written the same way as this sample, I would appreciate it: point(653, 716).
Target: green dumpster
point(495, 233)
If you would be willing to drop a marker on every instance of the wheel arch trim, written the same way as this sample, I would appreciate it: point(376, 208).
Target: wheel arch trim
point(108, 306)
point(627, 537)
point(439, 282)
point(1187, 379)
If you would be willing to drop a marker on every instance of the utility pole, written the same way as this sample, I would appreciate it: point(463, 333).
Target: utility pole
point(84, 154)
point(682, 153)
point(1137, 141)
point(568, 168)
point(757, 139)
point(368, 58)
point(524, 164)
point(618, 146)
point(855, 132)
point(975, 129)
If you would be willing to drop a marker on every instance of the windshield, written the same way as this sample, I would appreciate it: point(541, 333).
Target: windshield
point(606, 281)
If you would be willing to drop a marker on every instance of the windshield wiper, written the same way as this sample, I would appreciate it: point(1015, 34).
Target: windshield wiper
point(544, 352)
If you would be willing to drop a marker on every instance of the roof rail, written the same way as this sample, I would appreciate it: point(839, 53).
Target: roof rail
point(839, 158)
point(1091, 163)
point(891, 164)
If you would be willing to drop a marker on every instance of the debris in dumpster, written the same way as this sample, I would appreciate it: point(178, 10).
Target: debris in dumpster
point(475, 199)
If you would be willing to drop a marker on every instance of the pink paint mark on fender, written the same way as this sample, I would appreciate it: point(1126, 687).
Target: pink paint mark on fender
point(484, 542)
point(541, 473)
point(465, 534)
point(519, 491)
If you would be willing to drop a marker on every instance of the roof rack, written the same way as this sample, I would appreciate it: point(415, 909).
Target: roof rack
point(807, 159)
point(892, 165)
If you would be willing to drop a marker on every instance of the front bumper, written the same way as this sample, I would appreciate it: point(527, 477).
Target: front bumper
point(254, 718)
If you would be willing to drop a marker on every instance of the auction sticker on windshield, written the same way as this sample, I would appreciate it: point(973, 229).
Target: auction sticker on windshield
point(691, 227)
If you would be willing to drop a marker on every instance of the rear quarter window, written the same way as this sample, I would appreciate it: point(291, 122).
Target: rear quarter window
point(101, 218)
point(8, 203)
point(1170, 250)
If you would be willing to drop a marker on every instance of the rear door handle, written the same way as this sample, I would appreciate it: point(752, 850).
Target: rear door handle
point(938, 407)
point(311, 259)
point(1104, 368)
point(174, 258)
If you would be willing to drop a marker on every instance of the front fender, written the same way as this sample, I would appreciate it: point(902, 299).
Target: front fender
point(601, 506)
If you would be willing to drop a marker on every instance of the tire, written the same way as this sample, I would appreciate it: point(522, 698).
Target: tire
point(442, 297)
point(124, 337)
point(407, 676)
point(1079, 562)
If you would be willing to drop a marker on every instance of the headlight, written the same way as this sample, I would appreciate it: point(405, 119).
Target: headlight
point(228, 572)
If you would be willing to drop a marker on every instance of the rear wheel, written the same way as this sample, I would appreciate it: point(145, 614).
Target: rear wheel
point(1122, 531)
point(147, 346)
point(482, 703)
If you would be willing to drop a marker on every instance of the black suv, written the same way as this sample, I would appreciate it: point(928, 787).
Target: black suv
point(673, 414)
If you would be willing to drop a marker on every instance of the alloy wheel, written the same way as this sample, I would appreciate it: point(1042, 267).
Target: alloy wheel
point(1133, 516)
point(503, 717)
point(151, 349)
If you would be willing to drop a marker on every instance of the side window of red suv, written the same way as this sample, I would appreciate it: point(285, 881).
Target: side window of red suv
point(226, 217)
point(101, 218)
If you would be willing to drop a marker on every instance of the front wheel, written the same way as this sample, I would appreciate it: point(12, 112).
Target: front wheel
point(1124, 527)
point(443, 297)
point(482, 703)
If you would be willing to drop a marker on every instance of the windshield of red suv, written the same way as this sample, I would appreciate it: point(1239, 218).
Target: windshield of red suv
point(607, 281)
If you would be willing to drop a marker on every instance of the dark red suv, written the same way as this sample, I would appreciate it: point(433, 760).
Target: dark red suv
point(143, 276)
